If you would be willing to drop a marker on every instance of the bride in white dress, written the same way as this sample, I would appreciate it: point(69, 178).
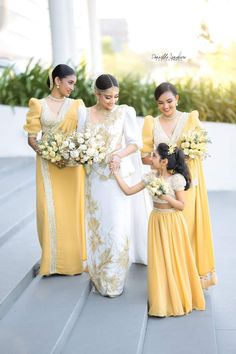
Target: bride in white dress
point(108, 210)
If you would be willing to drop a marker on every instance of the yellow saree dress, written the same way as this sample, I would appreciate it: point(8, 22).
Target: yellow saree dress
point(196, 210)
point(60, 195)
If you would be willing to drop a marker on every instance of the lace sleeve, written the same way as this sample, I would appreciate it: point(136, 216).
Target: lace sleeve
point(178, 182)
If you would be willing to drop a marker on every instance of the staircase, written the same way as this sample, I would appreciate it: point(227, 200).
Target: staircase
point(61, 314)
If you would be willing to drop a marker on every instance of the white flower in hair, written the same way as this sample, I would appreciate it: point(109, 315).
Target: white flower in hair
point(171, 149)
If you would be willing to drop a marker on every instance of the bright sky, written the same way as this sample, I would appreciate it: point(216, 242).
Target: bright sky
point(171, 25)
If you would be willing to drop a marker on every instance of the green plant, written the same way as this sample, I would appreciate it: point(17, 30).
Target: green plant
point(214, 103)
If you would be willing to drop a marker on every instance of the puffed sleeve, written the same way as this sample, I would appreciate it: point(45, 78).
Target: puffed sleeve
point(132, 132)
point(147, 134)
point(194, 117)
point(33, 124)
point(69, 124)
point(82, 115)
point(178, 182)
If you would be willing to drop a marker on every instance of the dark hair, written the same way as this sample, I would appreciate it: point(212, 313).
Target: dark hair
point(105, 81)
point(176, 162)
point(164, 87)
point(61, 71)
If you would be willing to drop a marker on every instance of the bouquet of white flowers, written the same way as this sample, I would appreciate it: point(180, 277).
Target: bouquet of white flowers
point(157, 186)
point(84, 148)
point(194, 143)
point(50, 148)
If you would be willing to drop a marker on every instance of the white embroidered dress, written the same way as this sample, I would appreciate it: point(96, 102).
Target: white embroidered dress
point(107, 207)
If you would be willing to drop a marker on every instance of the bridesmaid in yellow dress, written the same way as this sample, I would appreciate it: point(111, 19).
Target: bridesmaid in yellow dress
point(174, 287)
point(60, 191)
point(168, 128)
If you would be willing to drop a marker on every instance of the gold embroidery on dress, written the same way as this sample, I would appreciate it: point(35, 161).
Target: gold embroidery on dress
point(51, 214)
point(49, 123)
point(99, 268)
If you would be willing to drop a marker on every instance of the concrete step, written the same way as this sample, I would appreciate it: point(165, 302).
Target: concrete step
point(16, 212)
point(41, 319)
point(193, 333)
point(113, 325)
point(19, 259)
point(8, 166)
point(17, 180)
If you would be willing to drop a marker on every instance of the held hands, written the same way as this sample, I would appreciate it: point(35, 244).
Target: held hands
point(115, 170)
point(114, 164)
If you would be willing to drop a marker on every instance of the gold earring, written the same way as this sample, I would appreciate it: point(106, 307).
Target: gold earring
point(58, 86)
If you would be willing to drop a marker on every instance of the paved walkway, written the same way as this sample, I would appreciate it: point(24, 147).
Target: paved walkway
point(60, 314)
point(223, 212)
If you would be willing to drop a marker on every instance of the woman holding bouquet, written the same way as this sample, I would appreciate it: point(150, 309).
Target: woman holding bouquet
point(107, 211)
point(169, 127)
point(60, 191)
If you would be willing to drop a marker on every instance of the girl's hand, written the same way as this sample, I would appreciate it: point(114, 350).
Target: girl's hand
point(115, 159)
point(114, 162)
point(115, 170)
point(164, 197)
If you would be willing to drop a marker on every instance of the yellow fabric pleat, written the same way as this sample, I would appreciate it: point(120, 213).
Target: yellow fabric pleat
point(174, 287)
point(197, 216)
point(68, 201)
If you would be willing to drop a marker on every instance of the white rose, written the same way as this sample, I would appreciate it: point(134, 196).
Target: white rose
point(80, 140)
point(74, 154)
point(102, 156)
point(87, 135)
point(71, 146)
point(83, 147)
point(186, 151)
point(52, 153)
point(65, 143)
point(66, 156)
point(91, 152)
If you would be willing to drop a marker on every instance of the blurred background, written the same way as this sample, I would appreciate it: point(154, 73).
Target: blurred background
point(123, 37)
point(191, 44)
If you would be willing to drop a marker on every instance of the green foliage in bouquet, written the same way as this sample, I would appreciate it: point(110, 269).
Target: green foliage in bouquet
point(214, 103)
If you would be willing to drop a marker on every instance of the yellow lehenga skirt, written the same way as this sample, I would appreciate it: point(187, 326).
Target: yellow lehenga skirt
point(60, 218)
point(174, 287)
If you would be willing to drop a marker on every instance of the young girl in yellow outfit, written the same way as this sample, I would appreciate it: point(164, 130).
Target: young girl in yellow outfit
point(174, 287)
point(168, 128)
point(60, 192)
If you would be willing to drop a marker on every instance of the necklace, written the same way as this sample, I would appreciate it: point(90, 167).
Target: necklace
point(171, 117)
point(56, 99)
point(106, 112)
